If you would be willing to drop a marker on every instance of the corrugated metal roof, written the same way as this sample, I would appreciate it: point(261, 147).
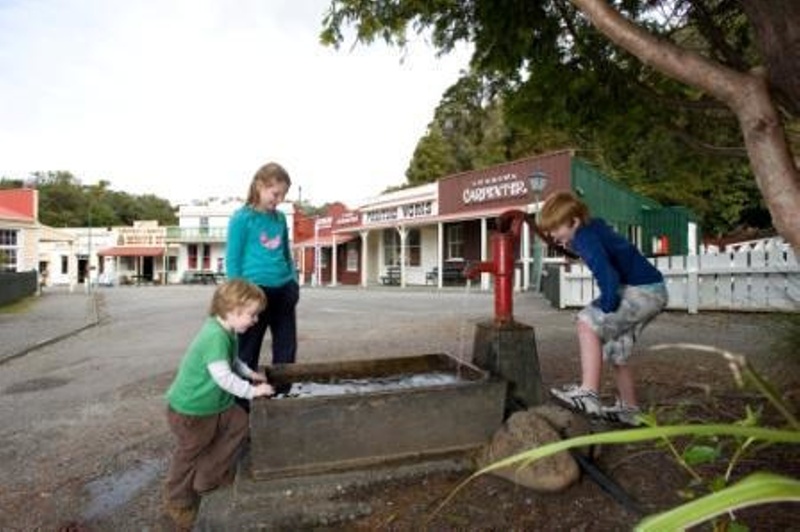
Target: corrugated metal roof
point(8, 214)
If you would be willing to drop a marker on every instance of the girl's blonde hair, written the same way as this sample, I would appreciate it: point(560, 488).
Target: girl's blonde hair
point(561, 208)
point(267, 175)
point(235, 294)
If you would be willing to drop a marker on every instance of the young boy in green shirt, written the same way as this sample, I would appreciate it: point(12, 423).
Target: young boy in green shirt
point(208, 425)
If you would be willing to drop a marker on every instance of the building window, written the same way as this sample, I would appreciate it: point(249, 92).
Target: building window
point(455, 241)
point(191, 250)
point(413, 248)
point(204, 225)
point(391, 247)
point(172, 263)
point(64, 265)
point(8, 250)
point(351, 253)
point(206, 257)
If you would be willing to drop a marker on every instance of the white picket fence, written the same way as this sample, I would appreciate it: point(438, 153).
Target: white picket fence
point(759, 280)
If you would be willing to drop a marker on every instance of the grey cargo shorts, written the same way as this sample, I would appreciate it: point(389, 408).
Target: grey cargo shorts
point(619, 330)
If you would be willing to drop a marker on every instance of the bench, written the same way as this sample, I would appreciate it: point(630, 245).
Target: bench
point(452, 273)
point(199, 277)
point(391, 277)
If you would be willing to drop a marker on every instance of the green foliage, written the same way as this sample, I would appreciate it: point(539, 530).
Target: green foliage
point(542, 79)
point(433, 157)
point(700, 454)
point(758, 488)
point(707, 444)
point(65, 202)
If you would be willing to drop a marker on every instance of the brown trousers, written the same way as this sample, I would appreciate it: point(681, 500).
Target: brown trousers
point(205, 452)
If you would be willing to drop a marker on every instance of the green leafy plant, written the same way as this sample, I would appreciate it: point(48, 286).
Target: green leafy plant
point(707, 444)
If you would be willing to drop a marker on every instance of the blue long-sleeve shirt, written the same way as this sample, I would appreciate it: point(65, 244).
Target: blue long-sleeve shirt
point(258, 248)
point(614, 262)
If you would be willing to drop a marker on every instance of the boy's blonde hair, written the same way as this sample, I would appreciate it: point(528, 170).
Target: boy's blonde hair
point(267, 175)
point(235, 294)
point(561, 208)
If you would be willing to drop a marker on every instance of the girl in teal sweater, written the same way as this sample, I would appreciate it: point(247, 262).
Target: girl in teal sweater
point(258, 251)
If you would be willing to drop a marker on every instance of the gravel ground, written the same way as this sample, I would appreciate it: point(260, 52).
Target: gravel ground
point(82, 432)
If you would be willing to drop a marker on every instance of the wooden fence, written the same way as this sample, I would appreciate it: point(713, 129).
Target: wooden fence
point(761, 280)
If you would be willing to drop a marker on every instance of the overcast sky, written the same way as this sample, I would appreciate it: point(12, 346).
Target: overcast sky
point(186, 98)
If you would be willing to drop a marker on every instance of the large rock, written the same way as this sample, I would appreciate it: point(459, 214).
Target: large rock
point(568, 424)
point(524, 431)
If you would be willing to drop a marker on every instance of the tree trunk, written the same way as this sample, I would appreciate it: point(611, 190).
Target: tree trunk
point(747, 95)
point(777, 27)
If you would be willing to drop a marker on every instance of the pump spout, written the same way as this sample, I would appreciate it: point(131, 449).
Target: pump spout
point(503, 242)
point(474, 270)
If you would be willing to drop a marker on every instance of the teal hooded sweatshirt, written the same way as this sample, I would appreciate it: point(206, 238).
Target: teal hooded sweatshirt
point(258, 248)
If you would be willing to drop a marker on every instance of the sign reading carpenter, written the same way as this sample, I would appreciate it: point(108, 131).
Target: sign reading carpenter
point(495, 188)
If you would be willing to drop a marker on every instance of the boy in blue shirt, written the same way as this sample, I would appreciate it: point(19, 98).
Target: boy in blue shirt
point(258, 251)
point(632, 293)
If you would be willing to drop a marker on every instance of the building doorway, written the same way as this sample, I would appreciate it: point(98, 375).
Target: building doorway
point(83, 268)
point(147, 268)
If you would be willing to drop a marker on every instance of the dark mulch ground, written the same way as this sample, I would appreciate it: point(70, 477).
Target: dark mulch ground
point(646, 471)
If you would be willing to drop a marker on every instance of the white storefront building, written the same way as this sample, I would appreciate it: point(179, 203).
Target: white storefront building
point(397, 230)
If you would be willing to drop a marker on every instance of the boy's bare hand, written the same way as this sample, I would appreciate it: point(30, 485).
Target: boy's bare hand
point(263, 390)
point(258, 377)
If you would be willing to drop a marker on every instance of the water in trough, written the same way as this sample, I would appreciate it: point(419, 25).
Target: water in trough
point(345, 386)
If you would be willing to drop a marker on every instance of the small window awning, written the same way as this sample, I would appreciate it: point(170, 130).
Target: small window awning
point(132, 251)
point(325, 241)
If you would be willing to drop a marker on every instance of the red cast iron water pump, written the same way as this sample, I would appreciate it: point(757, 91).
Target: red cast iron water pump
point(503, 241)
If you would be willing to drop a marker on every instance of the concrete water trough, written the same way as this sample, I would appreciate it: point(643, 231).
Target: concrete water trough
point(342, 416)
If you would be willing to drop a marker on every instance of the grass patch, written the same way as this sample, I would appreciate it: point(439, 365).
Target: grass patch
point(18, 307)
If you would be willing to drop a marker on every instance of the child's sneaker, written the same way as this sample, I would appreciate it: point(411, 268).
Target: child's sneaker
point(578, 399)
point(622, 413)
point(182, 517)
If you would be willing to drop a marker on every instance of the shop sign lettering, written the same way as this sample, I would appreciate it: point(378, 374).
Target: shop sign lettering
point(322, 223)
point(415, 210)
point(411, 210)
point(495, 188)
point(381, 215)
point(348, 218)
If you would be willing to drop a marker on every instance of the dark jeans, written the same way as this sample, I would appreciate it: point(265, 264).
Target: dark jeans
point(279, 317)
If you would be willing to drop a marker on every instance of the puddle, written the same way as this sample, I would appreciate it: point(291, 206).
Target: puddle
point(369, 385)
point(110, 492)
point(36, 385)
